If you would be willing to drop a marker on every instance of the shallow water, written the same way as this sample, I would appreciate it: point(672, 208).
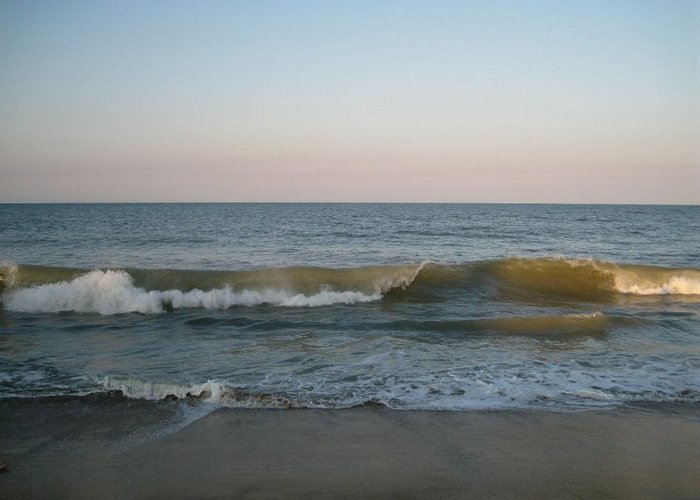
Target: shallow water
point(332, 305)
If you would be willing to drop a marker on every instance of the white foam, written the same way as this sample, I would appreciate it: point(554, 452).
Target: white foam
point(209, 391)
point(8, 271)
point(113, 292)
point(559, 385)
point(676, 285)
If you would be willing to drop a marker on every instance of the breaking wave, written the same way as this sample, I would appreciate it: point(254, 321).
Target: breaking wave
point(113, 292)
point(591, 279)
point(53, 289)
point(505, 391)
point(214, 392)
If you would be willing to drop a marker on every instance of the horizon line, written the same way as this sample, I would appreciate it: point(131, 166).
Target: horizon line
point(348, 203)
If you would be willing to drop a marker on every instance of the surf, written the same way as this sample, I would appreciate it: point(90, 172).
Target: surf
point(591, 279)
point(114, 292)
point(31, 288)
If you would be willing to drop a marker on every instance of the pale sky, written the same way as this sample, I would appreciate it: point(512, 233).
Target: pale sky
point(463, 101)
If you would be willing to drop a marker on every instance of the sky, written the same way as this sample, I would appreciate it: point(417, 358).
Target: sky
point(416, 101)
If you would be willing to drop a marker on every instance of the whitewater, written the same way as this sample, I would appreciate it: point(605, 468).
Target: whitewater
point(441, 307)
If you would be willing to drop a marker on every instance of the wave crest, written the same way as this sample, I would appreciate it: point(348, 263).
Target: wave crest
point(591, 279)
point(54, 289)
point(114, 292)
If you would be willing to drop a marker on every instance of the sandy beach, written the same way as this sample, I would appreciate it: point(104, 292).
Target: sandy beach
point(68, 450)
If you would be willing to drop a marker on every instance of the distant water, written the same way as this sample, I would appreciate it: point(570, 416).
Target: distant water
point(332, 305)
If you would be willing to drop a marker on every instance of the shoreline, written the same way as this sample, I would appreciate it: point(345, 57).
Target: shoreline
point(140, 449)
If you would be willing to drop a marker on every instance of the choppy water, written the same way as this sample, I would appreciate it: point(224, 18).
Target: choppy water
point(332, 305)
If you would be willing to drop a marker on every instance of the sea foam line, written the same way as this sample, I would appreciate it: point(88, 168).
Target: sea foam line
point(113, 292)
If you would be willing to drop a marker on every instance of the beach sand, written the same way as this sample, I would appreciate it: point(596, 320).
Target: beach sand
point(79, 450)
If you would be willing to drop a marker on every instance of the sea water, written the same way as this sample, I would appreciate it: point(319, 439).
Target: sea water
point(413, 306)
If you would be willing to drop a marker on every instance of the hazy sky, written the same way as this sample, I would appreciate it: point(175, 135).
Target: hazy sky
point(471, 101)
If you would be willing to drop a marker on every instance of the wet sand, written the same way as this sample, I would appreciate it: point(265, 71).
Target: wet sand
point(107, 451)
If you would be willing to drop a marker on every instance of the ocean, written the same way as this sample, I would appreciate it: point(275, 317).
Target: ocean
point(412, 306)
